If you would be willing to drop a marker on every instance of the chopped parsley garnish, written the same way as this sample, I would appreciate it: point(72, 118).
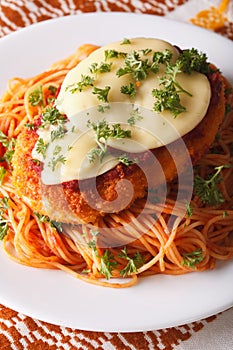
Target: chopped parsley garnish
point(30, 126)
point(160, 57)
point(2, 174)
point(189, 210)
point(192, 259)
point(207, 189)
point(58, 133)
point(103, 108)
point(3, 222)
point(132, 263)
point(107, 264)
point(114, 54)
point(55, 224)
point(92, 245)
point(146, 52)
point(36, 98)
point(52, 116)
point(52, 89)
point(168, 97)
point(85, 81)
point(103, 132)
point(134, 116)
point(129, 89)
point(125, 41)
point(9, 144)
point(57, 158)
point(41, 147)
point(100, 68)
point(135, 66)
point(95, 153)
point(191, 60)
point(124, 158)
point(102, 94)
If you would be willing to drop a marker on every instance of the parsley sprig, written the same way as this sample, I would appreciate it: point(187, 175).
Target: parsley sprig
point(36, 97)
point(108, 54)
point(125, 159)
point(58, 133)
point(3, 222)
point(57, 158)
point(135, 66)
point(192, 259)
point(133, 263)
point(134, 116)
point(52, 116)
point(102, 94)
point(168, 96)
point(107, 264)
point(207, 189)
point(86, 80)
point(191, 60)
point(102, 67)
point(103, 132)
point(45, 219)
point(9, 144)
point(41, 147)
point(125, 41)
point(2, 174)
point(129, 89)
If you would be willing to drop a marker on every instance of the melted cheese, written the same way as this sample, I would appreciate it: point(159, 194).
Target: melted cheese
point(151, 130)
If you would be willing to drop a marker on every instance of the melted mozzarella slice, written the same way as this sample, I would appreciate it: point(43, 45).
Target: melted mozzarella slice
point(148, 130)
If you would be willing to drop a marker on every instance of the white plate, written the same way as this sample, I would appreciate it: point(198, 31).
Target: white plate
point(155, 302)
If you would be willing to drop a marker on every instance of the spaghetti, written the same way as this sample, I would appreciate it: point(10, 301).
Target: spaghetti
point(195, 242)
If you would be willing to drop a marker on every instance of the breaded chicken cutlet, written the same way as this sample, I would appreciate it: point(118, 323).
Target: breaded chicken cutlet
point(75, 205)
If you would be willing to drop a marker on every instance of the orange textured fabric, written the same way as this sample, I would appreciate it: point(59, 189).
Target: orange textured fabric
point(28, 333)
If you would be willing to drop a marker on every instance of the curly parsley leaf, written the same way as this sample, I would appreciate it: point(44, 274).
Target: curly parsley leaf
point(191, 60)
point(85, 81)
point(189, 210)
point(133, 263)
point(114, 54)
point(103, 132)
point(2, 174)
point(44, 218)
point(129, 89)
point(168, 99)
point(207, 189)
point(9, 144)
point(107, 264)
point(125, 41)
point(135, 66)
point(3, 222)
point(57, 158)
point(36, 97)
point(41, 147)
point(58, 133)
point(124, 158)
point(52, 116)
point(100, 68)
point(192, 259)
point(102, 94)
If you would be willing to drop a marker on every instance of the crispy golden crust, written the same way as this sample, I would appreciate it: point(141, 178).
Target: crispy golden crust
point(89, 200)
